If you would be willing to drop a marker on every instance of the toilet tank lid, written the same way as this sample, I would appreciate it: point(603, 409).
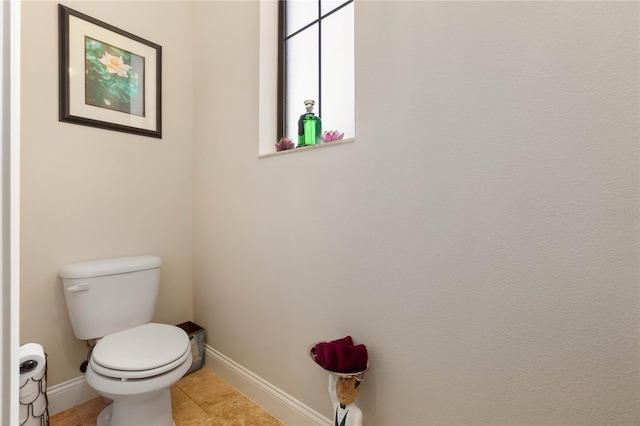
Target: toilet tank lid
point(118, 265)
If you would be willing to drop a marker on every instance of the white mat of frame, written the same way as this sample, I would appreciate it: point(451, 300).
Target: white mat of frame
point(280, 404)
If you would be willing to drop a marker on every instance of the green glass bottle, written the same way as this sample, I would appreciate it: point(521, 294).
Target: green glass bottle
point(309, 127)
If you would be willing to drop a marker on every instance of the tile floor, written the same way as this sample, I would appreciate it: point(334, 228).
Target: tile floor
point(201, 398)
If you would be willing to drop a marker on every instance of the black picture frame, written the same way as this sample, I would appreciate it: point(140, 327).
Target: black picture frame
point(109, 78)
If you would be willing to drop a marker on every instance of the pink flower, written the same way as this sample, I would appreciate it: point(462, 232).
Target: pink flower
point(115, 64)
point(284, 144)
point(332, 135)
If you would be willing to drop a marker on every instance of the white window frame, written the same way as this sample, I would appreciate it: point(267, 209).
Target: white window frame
point(269, 72)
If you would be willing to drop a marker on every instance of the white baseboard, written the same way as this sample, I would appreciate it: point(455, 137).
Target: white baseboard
point(69, 394)
point(280, 404)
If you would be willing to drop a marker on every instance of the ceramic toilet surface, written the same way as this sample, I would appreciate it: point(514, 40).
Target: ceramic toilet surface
point(117, 388)
point(139, 374)
point(141, 349)
point(135, 362)
point(139, 402)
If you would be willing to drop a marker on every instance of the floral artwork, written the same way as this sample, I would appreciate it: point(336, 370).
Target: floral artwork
point(109, 78)
point(113, 78)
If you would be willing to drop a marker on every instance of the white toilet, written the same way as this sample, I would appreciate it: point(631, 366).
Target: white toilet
point(134, 362)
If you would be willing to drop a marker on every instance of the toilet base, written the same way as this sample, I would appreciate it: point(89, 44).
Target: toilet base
point(154, 411)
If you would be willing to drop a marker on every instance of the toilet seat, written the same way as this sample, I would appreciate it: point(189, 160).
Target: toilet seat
point(139, 374)
point(140, 352)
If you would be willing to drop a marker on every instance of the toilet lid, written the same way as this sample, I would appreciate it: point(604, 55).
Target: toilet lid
point(140, 374)
point(141, 348)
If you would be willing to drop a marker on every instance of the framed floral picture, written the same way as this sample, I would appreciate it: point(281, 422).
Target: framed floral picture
point(109, 78)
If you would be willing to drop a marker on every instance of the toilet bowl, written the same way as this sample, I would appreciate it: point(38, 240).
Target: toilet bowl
point(136, 369)
point(134, 362)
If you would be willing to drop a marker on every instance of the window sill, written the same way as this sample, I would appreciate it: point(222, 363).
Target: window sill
point(307, 148)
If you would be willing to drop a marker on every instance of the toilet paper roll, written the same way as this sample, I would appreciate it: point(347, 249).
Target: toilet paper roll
point(29, 392)
point(33, 420)
point(40, 405)
point(32, 361)
point(33, 387)
point(24, 413)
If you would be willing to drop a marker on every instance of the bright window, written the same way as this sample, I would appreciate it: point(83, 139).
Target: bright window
point(316, 61)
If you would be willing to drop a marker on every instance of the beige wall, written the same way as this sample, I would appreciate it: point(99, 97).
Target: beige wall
point(90, 193)
point(474, 236)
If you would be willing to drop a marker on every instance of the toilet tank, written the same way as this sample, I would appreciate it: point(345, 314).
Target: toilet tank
point(110, 295)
